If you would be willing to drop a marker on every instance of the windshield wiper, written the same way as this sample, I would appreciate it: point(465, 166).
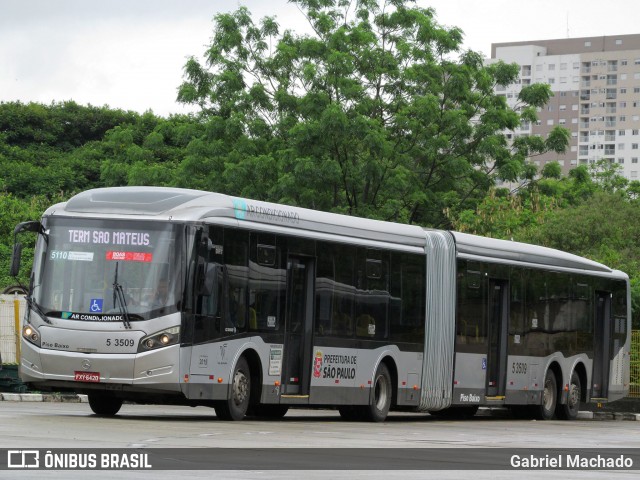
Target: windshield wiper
point(33, 305)
point(118, 294)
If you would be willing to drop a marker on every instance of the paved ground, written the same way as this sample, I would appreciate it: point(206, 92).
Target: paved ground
point(46, 425)
point(621, 410)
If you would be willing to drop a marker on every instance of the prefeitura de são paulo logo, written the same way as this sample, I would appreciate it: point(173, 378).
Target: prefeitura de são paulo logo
point(317, 364)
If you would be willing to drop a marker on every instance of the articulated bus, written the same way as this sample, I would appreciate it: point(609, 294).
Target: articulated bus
point(175, 296)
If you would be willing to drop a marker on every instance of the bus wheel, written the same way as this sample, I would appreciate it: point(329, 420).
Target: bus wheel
point(547, 410)
point(382, 393)
point(104, 405)
point(569, 410)
point(235, 407)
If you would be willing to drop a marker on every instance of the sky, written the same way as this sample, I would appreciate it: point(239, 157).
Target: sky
point(130, 54)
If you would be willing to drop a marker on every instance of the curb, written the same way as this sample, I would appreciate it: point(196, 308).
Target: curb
point(616, 416)
point(43, 397)
point(502, 412)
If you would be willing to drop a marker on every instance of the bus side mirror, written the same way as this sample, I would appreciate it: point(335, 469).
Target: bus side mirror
point(31, 226)
point(15, 260)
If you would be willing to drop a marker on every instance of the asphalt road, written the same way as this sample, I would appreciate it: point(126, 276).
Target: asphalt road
point(45, 425)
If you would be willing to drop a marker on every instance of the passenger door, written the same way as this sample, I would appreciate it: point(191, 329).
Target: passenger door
point(498, 309)
point(602, 345)
point(299, 325)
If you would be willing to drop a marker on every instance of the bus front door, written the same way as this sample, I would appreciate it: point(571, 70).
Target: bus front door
point(601, 345)
point(299, 326)
point(497, 355)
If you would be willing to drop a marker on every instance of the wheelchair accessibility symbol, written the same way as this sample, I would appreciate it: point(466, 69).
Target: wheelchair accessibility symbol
point(96, 305)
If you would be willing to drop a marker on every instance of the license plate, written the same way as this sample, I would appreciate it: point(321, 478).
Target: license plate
point(93, 377)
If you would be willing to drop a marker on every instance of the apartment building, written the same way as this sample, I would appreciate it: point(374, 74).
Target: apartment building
point(596, 86)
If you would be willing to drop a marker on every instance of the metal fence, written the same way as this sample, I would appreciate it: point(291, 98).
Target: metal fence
point(634, 387)
point(7, 326)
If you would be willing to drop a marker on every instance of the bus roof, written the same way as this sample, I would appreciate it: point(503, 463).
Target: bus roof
point(194, 205)
point(178, 204)
point(487, 248)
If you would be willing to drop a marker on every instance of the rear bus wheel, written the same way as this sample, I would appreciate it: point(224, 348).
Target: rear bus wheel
point(235, 407)
point(378, 410)
point(547, 410)
point(569, 410)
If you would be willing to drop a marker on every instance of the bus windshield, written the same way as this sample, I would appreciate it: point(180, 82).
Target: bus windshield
point(84, 265)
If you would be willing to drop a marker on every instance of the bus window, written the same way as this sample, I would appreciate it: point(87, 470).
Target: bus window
point(407, 300)
point(516, 310)
point(325, 287)
point(236, 258)
point(208, 285)
point(372, 296)
point(335, 292)
point(345, 291)
point(266, 255)
point(267, 284)
point(472, 307)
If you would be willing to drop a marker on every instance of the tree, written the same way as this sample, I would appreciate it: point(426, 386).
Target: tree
point(507, 216)
point(593, 212)
point(39, 143)
point(605, 228)
point(552, 170)
point(14, 211)
point(377, 112)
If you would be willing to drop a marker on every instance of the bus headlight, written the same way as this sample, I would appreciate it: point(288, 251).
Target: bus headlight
point(31, 334)
point(170, 336)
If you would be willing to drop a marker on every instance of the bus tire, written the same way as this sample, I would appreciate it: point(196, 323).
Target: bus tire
point(378, 410)
point(569, 410)
point(235, 407)
point(104, 405)
point(547, 409)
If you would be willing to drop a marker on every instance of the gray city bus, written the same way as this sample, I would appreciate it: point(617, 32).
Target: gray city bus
point(175, 296)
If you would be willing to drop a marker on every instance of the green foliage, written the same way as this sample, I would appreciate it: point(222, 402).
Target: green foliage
point(594, 212)
point(14, 211)
point(377, 113)
point(65, 148)
point(505, 216)
point(552, 170)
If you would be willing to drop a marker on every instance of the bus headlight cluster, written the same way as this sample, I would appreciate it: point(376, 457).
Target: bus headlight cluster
point(170, 336)
point(30, 334)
